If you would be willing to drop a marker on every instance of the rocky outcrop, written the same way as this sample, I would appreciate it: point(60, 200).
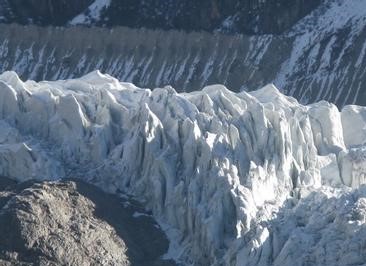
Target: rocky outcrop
point(73, 223)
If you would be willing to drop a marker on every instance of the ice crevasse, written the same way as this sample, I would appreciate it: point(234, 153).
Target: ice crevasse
point(240, 178)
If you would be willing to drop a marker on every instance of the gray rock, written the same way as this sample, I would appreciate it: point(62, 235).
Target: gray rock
point(73, 223)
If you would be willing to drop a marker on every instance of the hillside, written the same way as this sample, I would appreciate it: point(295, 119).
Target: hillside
point(322, 57)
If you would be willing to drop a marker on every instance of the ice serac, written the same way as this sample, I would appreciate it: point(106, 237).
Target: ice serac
point(239, 178)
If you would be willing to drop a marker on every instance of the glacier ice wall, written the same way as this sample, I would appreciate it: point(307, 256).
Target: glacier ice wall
point(241, 178)
point(321, 57)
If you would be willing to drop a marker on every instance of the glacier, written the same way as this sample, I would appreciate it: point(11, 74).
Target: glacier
point(234, 178)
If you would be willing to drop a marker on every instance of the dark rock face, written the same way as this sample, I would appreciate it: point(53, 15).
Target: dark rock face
point(42, 12)
point(271, 16)
point(250, 17)
point(231, 16)
point(72, 223)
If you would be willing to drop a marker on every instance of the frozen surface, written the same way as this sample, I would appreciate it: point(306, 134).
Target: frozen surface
point(234, 178)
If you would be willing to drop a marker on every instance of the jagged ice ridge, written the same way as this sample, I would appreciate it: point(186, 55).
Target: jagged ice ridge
point(237, 178)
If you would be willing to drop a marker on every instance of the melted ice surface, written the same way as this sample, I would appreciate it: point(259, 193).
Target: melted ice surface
point(239, 178)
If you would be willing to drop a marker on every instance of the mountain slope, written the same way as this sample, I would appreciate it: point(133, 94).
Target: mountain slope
point(250, 17)
point(234, 16)
point(321, 58)
point(234, 178)
point(40, 12)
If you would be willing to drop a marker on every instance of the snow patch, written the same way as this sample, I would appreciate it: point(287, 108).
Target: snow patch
point(92, 13)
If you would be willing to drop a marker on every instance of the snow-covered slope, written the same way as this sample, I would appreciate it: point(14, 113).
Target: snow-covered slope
point(92, 14)
point(234, 178)
point(327, 60)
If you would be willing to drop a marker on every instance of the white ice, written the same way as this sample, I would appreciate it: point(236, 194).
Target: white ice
point(235, 178)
